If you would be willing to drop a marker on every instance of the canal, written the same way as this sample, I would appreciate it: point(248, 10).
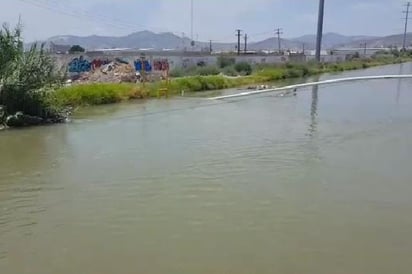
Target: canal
point(317, 183)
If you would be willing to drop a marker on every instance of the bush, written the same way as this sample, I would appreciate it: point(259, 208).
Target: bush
point(270, 74)
point(395, 52)
point(194, 71)
point(97, 94)
point(76, 49)
point(177, 72)
point(230, 71)
point(26, 77)
point(208, 70)
point(293, 73)
point(244, 68)
point(223, 61)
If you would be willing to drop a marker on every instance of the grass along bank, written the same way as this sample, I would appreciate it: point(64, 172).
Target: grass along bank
point(97, 94)
point(27, 80)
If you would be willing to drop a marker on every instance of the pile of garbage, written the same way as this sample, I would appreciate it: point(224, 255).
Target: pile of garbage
point(114, 72)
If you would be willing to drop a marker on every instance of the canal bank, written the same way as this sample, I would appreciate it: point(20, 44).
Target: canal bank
point(95, 93)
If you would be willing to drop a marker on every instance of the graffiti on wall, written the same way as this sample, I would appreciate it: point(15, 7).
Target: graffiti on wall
point(79, 65)
point(141, 64)
point(97, 63)
point(161, 65)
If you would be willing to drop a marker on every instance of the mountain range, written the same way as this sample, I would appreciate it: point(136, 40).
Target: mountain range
point(170, 41)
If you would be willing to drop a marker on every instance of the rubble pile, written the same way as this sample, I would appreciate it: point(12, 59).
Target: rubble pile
point(114, 72)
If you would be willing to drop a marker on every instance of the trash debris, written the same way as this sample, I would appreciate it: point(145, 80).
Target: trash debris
point(114, 72)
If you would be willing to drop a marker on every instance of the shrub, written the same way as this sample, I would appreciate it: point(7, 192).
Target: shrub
point(208, 70)
point(224, 61)
point(293, 73)
point(26, 77)
point(230, 71)
point(244, 68)
point(97, 94)
point(177, 72)
point(76, 49)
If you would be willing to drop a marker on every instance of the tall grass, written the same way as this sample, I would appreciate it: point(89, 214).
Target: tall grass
point(96, 94)
point(26, 77)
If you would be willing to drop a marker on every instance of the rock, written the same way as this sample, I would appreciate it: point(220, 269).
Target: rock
point(2, 114)
point(14, 121)
point(21, 120)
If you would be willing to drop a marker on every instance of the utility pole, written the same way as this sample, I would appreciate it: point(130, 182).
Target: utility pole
point(210, 46)
point(245, 43)
point(408, 5)
point(320, 29)
point(183, 41)
point(303, 48)
point(363, 45)
point(278, 32)
point(191, 19)
point(239, 34)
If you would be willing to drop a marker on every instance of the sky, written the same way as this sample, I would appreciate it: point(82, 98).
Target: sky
point(213, 19)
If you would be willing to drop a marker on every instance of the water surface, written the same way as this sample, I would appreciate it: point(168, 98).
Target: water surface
point(317, 183)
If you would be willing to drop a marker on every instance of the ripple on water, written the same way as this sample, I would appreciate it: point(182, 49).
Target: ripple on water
point(219, 184)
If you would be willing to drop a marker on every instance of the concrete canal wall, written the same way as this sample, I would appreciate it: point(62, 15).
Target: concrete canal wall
point(177, 59)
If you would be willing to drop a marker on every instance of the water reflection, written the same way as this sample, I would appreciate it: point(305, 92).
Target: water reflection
point(399, 86)
point(314, 108)
point(31, 149)
point(200, 187)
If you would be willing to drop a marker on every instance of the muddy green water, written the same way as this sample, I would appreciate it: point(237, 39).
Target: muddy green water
point(318, 183)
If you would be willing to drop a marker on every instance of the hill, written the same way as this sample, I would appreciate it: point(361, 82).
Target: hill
point(387, 41)
point(332, 40)
point(170, 41)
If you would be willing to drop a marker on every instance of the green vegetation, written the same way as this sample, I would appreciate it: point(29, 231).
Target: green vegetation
point(32, 91)
point(223, 61)
point(26, 78)
point(244, 68)
point(95, 94)
point(195, 70)
point(228, 68)
point(76, 49)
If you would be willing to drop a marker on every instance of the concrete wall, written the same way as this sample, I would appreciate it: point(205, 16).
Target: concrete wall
point(175, 59)
point(328, 58)
point(187, 59)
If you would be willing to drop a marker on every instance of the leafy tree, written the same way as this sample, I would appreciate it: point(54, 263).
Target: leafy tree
point(243, 67)
point(76, 48)
point(223, 61)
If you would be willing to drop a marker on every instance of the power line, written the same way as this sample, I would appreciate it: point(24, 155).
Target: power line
point(228, 37)
point(408, 5)
point(278, 32)
point(320, 29)
point(81, 14)
point(63, 8)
